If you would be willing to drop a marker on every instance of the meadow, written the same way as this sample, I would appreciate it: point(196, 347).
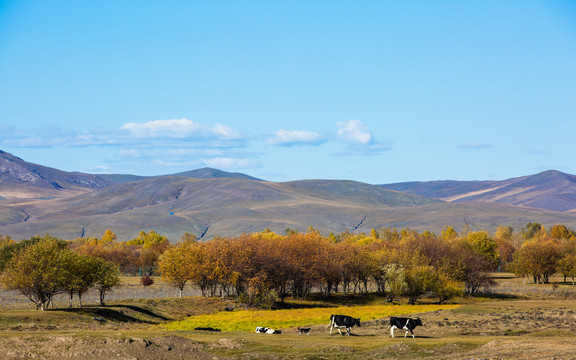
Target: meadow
point(515, 320)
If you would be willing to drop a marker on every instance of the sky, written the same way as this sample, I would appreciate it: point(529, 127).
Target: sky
point(378, 91)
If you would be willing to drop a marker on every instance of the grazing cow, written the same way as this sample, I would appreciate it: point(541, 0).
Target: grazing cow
point(403, 323)
point(342, 321)
point(265, 330)
point(207, 329)
point(305, 331)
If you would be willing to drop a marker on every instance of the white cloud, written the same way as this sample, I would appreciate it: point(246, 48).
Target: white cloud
point(179, 129)
point(295, 137)
point(157, 133)
point(353, 131)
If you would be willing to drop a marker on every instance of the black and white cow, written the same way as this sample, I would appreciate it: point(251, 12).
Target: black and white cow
point(342, 321)
point(265, 330)
point(403, 323)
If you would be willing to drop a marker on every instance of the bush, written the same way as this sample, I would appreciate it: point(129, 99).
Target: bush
point(266, 300)
point(146, 280)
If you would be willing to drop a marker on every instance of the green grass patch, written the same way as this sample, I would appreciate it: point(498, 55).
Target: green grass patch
point(290, 318)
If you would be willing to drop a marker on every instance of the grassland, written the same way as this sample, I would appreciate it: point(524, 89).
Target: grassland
point(518, 320)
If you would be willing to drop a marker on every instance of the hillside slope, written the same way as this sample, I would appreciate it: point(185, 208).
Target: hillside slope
point(548, 190)
point(212, 207)
point(230, 207)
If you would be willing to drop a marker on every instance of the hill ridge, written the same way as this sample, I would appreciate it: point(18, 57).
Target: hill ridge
point(549, 190)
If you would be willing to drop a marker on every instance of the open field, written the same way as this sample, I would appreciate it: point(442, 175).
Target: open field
point(530, 322)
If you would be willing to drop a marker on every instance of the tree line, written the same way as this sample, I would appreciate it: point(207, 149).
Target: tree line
point(266, 267)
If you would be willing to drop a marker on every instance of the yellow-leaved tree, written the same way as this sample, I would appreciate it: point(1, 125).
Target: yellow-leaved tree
point(176, 264)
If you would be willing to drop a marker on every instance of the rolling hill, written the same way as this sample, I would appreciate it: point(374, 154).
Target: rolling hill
point(204, 173)
point(226, 207)
point(209, 203)
point(548, 190)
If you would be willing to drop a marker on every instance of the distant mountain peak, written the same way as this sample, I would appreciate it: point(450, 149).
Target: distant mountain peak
point(211, 173)
point(21, 179)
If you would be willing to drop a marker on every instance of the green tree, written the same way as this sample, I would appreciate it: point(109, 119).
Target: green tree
point(530, 230)
point(80, 272)
point(567, 267)
point(107, 276)
point(396, 280)
point(38, 271)
point(149, 239)
point(481, 243)
point(7, 251)
point(445, 288)
point(419, 281)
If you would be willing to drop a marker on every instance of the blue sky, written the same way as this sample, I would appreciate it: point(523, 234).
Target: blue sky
point(374, 91)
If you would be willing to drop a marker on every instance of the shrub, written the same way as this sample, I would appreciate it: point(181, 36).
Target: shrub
point(146, 280)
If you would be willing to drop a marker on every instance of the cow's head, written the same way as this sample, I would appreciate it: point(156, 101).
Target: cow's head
point(418, 322)
point(261, 329)
point(357, 322)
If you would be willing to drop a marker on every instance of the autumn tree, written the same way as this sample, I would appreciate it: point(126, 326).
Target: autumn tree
point(107, 249)
point(176, 265)
point(537, 257)
point(471, 267)
point(187, 237)
point(109, 237)
point(505, 244)
point(151, 246)
point(562, 232)
point(448, 233)
point(5, 240)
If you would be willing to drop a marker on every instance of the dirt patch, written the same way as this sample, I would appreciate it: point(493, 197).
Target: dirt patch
point(521, 349)
point(72, 347)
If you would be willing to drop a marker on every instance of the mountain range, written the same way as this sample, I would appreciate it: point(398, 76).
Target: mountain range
point(208, 202)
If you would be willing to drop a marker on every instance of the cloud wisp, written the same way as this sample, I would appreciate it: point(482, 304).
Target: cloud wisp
point(179, 129)
point(295, 138)
point(163, 133)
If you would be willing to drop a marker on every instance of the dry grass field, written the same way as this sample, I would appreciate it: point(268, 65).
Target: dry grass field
point(517, 321)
